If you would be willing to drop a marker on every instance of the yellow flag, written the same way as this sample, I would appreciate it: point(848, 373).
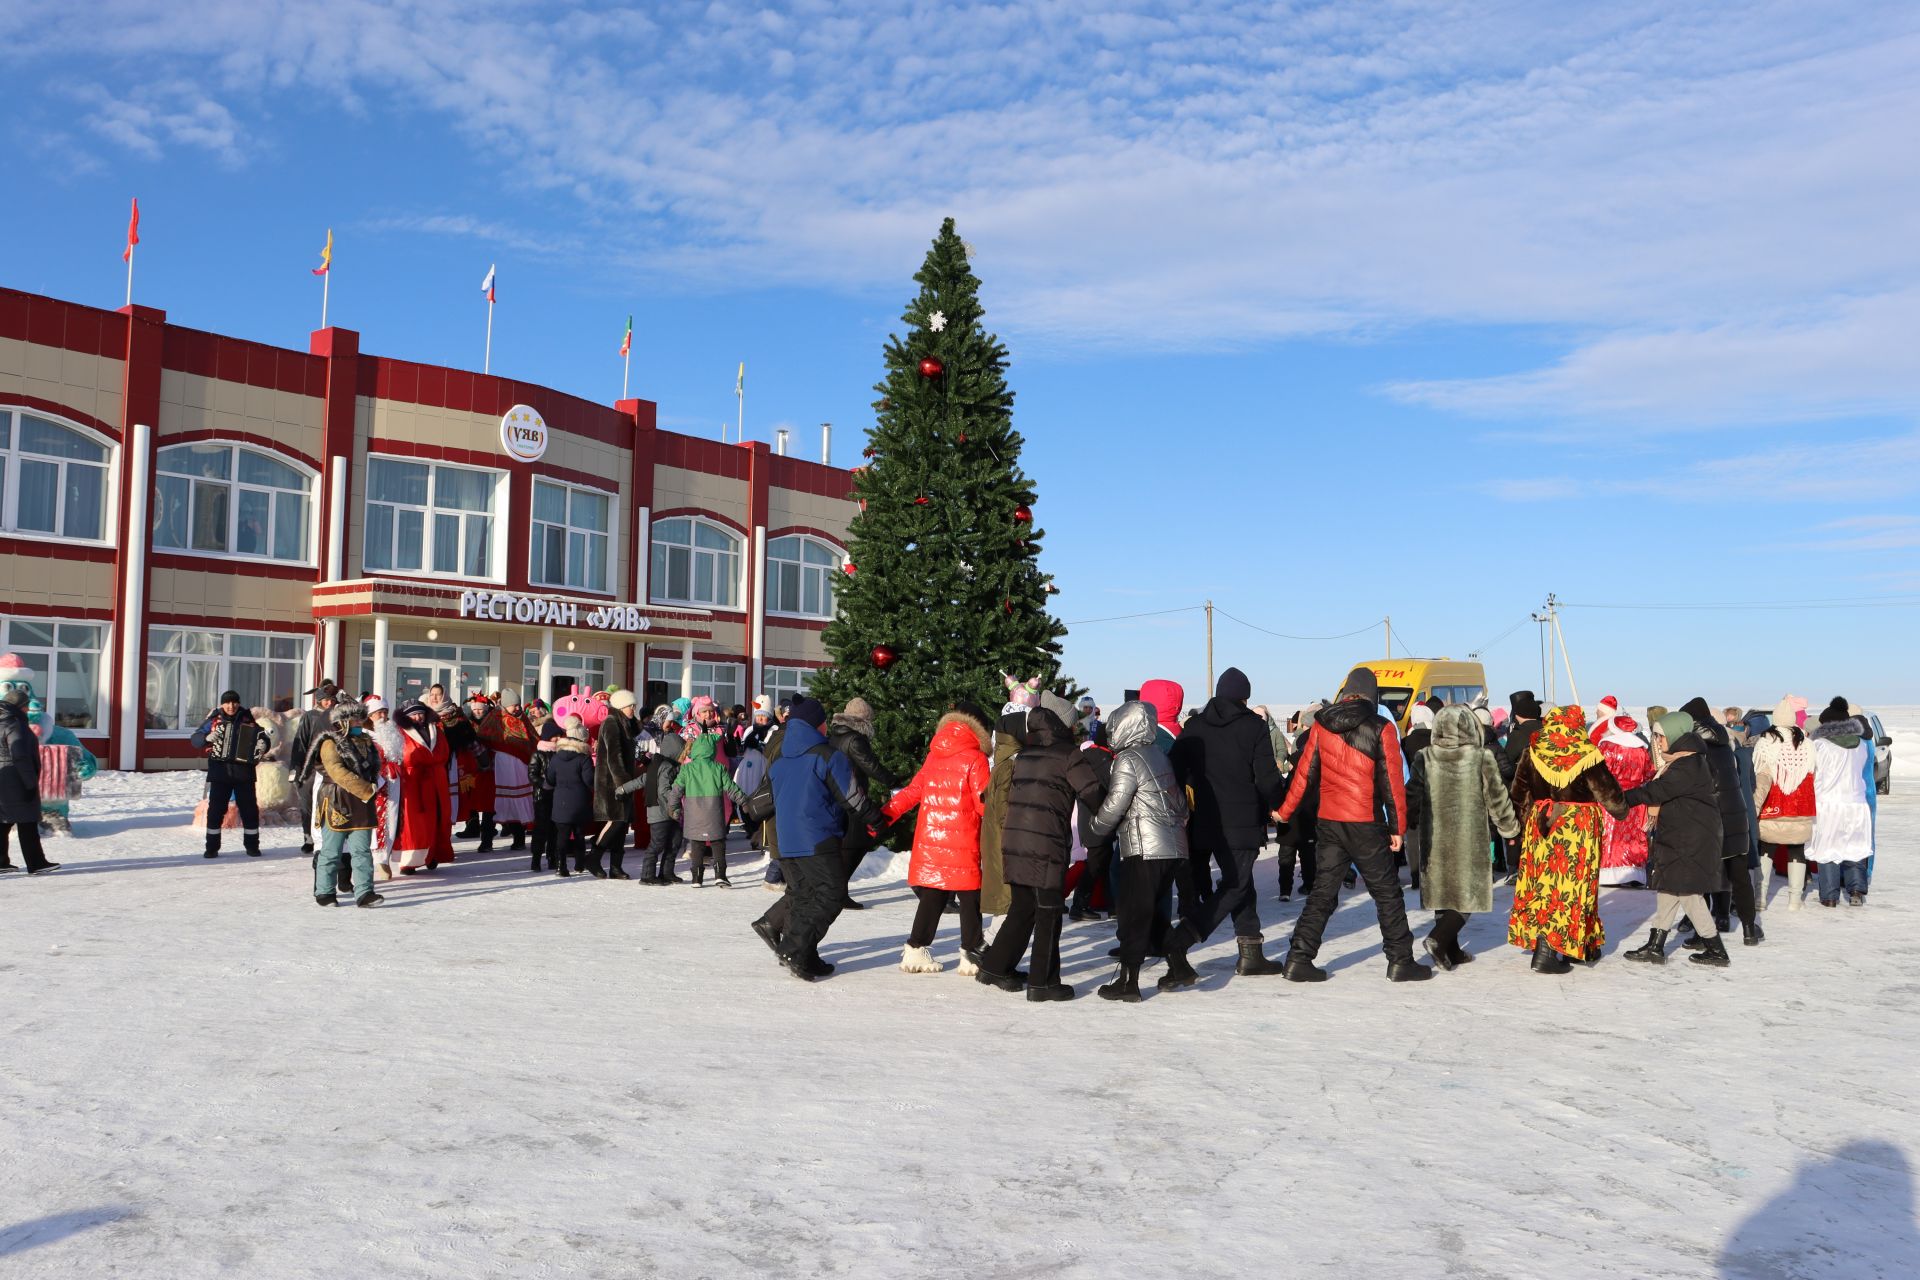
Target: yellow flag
point(326, 255)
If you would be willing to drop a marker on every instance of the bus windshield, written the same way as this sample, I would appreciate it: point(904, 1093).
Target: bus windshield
point(1394, 702)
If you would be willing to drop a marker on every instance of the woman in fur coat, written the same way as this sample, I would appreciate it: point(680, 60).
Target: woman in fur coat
point(1457, 790)
point(1843, 827)
point(1559, 786)
point(949, 792)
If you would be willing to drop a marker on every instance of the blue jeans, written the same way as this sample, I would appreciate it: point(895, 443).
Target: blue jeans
point(357, 848)
point(1832, 874)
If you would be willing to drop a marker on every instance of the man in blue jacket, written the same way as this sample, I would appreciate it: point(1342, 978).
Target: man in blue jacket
point(815, 796)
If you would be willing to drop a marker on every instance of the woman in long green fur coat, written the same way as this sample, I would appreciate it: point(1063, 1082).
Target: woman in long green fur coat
point(1457, 791)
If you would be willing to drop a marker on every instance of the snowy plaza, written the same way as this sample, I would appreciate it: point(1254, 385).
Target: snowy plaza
point(515, 1075)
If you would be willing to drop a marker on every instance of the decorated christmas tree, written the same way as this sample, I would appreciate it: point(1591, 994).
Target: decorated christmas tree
point(943, 590)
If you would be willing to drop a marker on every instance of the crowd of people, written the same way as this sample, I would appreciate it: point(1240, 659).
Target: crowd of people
point(1049, 811)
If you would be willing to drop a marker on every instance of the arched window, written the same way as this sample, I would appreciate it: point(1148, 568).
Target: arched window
point(229, 500)
point(695, 562)
point(53, 478)
point(800, 573)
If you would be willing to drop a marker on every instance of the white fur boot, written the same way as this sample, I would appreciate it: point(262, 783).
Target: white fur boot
point(918, 960)
point(1796, 884)
point(967, 967)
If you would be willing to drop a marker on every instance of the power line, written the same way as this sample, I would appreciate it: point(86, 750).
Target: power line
point(1504, 634)
point(1281, 635)
point(1123, 617)
point(1844, 602)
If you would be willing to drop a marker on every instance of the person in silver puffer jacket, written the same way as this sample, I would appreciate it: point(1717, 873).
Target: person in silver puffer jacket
point(1147, 809)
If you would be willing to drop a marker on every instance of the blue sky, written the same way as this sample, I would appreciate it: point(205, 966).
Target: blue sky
point(1322, 311)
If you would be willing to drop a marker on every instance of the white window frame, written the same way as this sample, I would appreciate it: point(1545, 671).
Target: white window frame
point(109, 489)
point(103, 657)
point(830, 574)
point(536, 563)
point(774, 686)
point(222, 660)
point(311, 496)
point(657, 580)
point(501, 516)
point(701, 688)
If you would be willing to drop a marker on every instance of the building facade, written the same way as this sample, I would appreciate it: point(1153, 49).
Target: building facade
point(183, 513)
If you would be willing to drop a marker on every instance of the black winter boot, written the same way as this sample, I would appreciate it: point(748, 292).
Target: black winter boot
point(1441, 955)
point(213, 845)
point(1049, 992)
point(1253, 961)
point(343, 878)
point(1714, 954)
point(1547, 960)
point(1752, 935)
point(1179, 973)
point(250, 841)
point(1408, 970)
point(1655, 950)
point(769, 935)
point(1125, 985)
point(1299, 968)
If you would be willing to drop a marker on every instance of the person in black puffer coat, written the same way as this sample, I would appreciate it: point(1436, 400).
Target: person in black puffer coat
point(614, 765)
point(1050, 774)
point(1099, 866)
point(851, 734)
point(234, 746)
point(1686, 858)
point(1735, 822)
point(20, 782)
point(1225, 755)
point(569, 778)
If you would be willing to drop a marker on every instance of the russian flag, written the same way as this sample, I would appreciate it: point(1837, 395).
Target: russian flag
point(486, 286)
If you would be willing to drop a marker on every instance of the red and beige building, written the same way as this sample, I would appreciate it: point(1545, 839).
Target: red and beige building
point(184, 512)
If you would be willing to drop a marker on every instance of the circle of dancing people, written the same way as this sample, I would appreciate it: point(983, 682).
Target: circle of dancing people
point(1050, 811)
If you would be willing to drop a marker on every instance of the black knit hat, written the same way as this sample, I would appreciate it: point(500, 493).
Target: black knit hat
point(809, 711)
point(1834, 712)
point(1361, 683)
point(1233, 685)
point(230, 695)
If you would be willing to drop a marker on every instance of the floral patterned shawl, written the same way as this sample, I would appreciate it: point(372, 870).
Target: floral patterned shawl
point(1561, 751)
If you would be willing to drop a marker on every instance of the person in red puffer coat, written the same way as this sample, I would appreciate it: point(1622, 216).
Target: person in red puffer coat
point(946, 840)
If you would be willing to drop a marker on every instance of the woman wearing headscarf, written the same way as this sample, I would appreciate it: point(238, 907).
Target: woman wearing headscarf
point(1457, 791)
point(1559, 787)
point(1783, 796)
point(1686, 859)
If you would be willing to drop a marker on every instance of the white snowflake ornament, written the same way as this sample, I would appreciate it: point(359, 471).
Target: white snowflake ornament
point(937, 321)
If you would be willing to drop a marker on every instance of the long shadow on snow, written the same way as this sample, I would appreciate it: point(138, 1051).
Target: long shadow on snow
point(1850, 1213)
point(23, 1236)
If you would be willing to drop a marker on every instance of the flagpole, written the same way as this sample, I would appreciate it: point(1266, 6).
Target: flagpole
point(129, 275)
point(626, 368)
point(739, 429)
point(326, 284)
point(486, 365)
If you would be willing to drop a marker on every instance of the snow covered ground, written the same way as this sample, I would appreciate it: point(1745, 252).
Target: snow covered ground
point(202, 1073)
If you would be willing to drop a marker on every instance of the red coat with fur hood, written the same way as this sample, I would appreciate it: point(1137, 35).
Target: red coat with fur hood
point(948, 787)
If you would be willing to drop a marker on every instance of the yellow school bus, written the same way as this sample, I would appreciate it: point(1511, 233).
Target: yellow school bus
point(1405, 681)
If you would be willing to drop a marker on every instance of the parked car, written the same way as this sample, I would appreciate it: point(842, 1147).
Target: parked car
point(1882, 757)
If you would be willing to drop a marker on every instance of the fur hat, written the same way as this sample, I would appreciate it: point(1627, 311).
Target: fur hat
point(576, 729)
point(622, 700)
point(1421, 717)
point(346, 711)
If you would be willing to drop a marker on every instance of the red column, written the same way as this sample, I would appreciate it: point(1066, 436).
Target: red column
point(759, 484)
point(341, 350)
point(644, 414)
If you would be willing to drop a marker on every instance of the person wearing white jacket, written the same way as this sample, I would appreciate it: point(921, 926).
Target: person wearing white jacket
point(1843, 822)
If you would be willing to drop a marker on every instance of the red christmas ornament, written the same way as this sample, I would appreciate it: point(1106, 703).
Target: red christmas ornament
point(847, 568)
point(922, 500)
point(1007, 605)
point(1023, 514)
point(870, 451)
point(884, 656)
point(963, 437)
point(931, 368)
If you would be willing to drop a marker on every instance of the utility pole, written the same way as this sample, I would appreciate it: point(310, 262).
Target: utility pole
point(1209, 648)
point(1553, 612)
point(1389, 621)
point(1546, 674)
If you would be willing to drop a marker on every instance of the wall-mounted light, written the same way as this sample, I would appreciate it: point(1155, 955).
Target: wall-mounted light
point(569, 646)
point(433, 633)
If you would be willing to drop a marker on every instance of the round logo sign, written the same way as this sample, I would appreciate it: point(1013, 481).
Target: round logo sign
point(523, 434)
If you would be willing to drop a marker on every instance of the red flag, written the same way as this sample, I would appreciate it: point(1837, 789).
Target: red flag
point(133, 232)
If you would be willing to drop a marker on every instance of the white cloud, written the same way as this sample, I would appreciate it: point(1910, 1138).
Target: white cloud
point(1820, 470)
point(1712, 203)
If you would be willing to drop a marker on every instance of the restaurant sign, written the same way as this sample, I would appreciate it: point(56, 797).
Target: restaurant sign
point(552, 611)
